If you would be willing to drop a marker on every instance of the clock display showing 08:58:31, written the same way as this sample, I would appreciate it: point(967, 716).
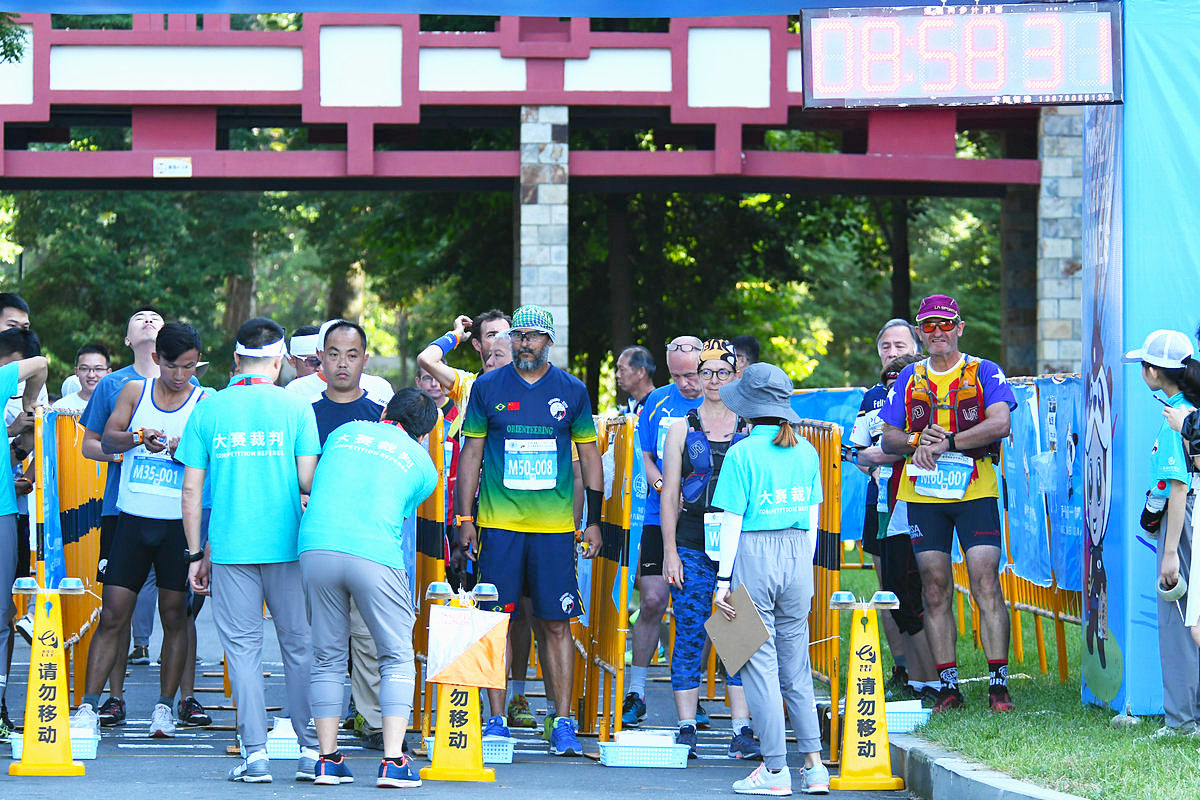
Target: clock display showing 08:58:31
point(963, 55)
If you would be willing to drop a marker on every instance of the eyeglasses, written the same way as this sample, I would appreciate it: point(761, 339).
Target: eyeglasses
point(312, 361)
point(685, 347)
point(928, 326)
point(91, 370)
point(526, 336)
point(723, 374)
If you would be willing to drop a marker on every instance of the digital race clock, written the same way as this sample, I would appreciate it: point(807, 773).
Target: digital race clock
point(1052, 54)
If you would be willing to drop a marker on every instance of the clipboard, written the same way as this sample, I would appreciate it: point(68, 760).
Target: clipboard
point(738, 639)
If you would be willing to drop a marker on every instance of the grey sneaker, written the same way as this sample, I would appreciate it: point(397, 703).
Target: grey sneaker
point(255, 769)
point(85, 718)
point(814, 780)
point(306, 767)
point(162, 722)
point(687, 735)
point(763, 781)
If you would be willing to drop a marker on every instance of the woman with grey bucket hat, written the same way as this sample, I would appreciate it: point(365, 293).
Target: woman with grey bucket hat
point(769, 491)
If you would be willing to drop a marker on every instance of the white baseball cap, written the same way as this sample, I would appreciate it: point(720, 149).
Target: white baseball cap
point(1163, 348)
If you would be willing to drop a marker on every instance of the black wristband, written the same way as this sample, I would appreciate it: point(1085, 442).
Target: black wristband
point(728, 579)
point(595, 506)
point(194, 557)
point(950, 447)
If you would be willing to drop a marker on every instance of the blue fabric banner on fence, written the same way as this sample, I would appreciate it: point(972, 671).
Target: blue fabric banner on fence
point(1027, 540)
point(1062, 419)
point(840, 406)
point(52, 547)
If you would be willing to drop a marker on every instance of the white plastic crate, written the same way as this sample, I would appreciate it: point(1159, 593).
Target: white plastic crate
point(907, 721)
point(674, 756)
point(83, 748)
point(496, 749)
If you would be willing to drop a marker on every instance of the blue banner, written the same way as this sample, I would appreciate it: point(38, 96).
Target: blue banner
point(47, 475)
point(840, 406)
point(1061, 410)
point(1027, 539)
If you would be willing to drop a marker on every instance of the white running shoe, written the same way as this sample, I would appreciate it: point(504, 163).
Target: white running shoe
point(25, 627)
point(763, 781)
point(162, 722)
point(86, 719)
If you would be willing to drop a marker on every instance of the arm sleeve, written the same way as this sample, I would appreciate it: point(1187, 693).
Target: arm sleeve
point(645, 437)
point(583, 427)
point(731, 535)
point(996, 388)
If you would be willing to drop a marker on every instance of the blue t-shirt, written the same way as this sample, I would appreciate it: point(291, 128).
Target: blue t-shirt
point(1168, 462)
point(95, 416)
point(388, 475)
point(527, 482)
point(867, 431)
point(9, 375)
point(331, 414)
point(770, 487)
point(662, 407)
point(248, 438)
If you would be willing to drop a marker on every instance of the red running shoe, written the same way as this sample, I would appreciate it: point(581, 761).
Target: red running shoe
point(947, 699)
point(999, 699)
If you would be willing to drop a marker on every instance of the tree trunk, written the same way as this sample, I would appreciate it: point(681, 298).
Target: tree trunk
point(346, 294)
point(620, 287)
point(592, 377)
point(901, 261)
point(240, 294)
point(402, 340)
point(652, 269)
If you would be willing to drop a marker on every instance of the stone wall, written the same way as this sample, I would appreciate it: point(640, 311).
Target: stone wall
point(1060, 241)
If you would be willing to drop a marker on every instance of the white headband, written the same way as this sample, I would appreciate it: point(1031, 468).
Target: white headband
point(304, 345)
point(272, 350)
point(325, 326)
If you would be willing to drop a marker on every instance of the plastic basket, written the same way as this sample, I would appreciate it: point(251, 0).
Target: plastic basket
point(674, 756)
point(496, 750)
point(83, 748)
point(278, 748)
point(907, 721)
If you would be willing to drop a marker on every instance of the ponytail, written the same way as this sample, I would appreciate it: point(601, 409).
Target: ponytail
point(1187, 378)
point(786, 437)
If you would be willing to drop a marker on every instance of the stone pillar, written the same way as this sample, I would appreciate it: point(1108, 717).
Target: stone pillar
point(1060, 240)
point(541, 253)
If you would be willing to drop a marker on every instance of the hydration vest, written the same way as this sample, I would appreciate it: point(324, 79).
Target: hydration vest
point(700, 455)
point(966, 404)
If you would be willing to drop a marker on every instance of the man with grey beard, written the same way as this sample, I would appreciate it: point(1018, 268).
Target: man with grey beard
point(520, 423)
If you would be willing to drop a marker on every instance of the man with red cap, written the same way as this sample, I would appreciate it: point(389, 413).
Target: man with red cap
point(946, 415)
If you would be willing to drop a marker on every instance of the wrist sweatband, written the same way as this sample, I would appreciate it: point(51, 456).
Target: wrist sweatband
point(447, 343)
point(727, 579)
point(595, 506)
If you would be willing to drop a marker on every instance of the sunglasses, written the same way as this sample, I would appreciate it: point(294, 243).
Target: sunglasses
point(708, 374)
point(686, 347)
point(929, 326)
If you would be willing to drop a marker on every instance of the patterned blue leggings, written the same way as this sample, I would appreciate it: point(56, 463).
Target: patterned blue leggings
point(692, 606)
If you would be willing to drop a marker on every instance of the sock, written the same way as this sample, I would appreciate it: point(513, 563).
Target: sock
point(515, 688)
point(166, 701)
point(949, 674)
point(739, 723)
point(399, 762)
point(997, 673)
point(336, 755)
point(683, 723)
point(92, 700)
point(637, 681)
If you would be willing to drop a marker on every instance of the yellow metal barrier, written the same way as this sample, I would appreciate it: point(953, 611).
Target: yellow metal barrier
point(430, 566)
point(824, 625)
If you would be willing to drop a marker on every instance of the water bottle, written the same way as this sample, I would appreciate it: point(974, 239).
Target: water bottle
point(1152, 514)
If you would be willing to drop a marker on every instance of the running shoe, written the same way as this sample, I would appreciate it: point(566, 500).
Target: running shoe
point(140, 654)
point(702, 720)
point(999, 699)
point(633, 710)
point(743, 745)
point(687, 735)
point(162, 722)
point(112, 712)
point(563, 741)
point(191, 713)
point(898, 683)
point(814, 780)
point(372, 740)
point(331, 773)
point(306, 765)
point(496, 727)
point(947, 699)
point(85, 718)
point(351, 718)
point(519, 714)
point(255, 769)
point(397, 776)
point(25, 627)
point(6, 727)
point(763, 781)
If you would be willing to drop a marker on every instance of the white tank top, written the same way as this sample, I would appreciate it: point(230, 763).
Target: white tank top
point(152, 483)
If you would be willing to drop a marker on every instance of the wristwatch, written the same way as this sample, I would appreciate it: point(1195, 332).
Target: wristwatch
point(658, 486)
point(914, 441)
point(950, 443)
point(194, 557)
point(460, 520)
